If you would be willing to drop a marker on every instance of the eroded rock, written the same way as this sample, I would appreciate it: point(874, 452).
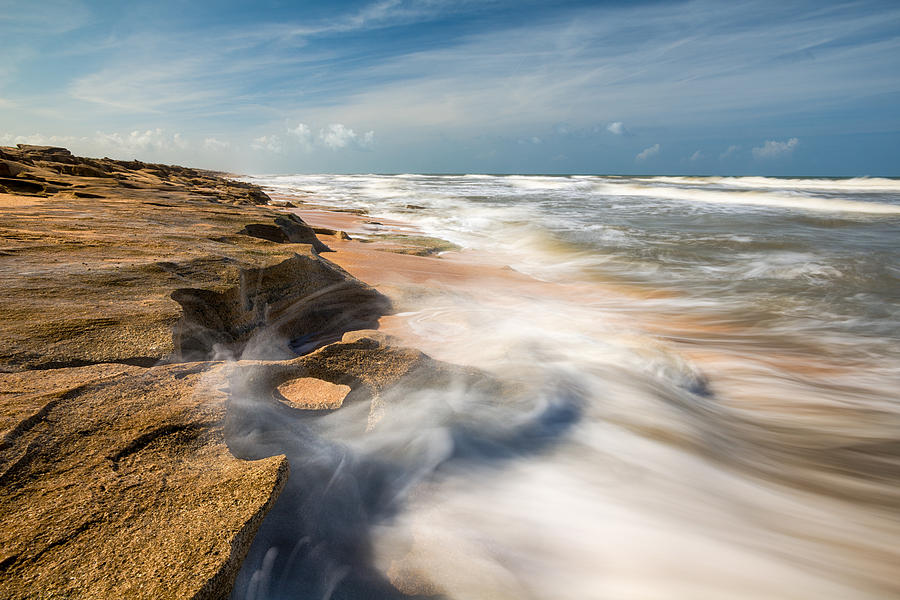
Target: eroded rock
point(116, 478)
point(309, 393)
point(145, 272)
point(115, 482)
point(40, 163)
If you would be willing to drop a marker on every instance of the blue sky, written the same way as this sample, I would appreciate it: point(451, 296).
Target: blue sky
point(699, 87)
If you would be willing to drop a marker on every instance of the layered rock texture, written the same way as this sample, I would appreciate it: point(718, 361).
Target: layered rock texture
point(110, 276)
point(125, 286)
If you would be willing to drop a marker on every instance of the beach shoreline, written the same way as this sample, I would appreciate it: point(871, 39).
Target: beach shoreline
point(285, 391)
point(131, 292)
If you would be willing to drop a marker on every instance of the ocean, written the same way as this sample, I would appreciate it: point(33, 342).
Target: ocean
point(732, 346)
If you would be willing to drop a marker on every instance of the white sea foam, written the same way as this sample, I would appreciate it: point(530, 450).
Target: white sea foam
point(535, 182)
point(748, 198)
point(854, 184)
point(728, 444)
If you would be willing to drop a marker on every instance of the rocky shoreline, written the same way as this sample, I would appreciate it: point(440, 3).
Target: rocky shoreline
point(149, 312)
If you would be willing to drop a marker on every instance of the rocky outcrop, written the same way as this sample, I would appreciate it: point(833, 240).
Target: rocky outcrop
point(138, 276)
point(117, 483)
point(50, 171)
point(122, 282)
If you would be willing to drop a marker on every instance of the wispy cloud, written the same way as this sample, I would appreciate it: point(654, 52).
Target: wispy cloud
point(696, 156)
point(648, 152)
point(709, 70)
point(675, 74)
point(36, 139)
point(268, 143)
point(385, 13)
point(134, 141)
point(32, 17)
point(616, 128)
point(153, 89)
point(730, 151)
point(216, 145)
point(775, 149)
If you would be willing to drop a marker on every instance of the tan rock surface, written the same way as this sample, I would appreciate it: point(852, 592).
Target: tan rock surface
point(310, 393)
point(115, 477)
point(146, 269)
point(364, 361)
point(119, 485)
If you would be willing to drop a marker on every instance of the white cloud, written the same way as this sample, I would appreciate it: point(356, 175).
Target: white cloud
point(301, 131)
point(480, 86)
point(561, 69)
point(269, 143)
point(648, 152)
point(117, 144)
point(215, 145)
point(37, 139)
point(303, 134)
point(338, 135)
point(730, 151)
point(385, 13)
point(150, 139)
point(696, 156)
point(616, 128)
point(774, 149)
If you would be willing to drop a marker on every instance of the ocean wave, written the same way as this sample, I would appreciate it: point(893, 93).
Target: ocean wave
point(854, 184)
point(782, 265)
point(539, 182)
point(748, 198)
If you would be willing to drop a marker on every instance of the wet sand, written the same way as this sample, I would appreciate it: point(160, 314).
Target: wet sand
point(400, 275)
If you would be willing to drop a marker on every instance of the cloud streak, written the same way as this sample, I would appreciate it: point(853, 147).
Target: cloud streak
point(697, 75)
point(775, 149)
point(648, 152)
point(730, 151)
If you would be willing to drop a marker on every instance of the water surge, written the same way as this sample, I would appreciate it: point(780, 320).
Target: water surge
point(707, 372)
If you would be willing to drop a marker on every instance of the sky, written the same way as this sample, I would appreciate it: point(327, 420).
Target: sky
point(460, 86)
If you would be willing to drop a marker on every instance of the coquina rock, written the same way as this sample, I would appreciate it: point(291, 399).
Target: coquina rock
point(116, 482)
point(122, 284)
point(149, 274)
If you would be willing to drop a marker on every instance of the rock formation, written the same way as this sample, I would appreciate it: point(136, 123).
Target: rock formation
point(123, 283)
point(170, 345)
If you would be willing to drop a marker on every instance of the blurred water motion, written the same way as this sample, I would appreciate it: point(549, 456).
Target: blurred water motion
point(714, 365)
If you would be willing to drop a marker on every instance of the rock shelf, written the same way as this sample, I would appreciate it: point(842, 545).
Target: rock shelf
point(126, 289)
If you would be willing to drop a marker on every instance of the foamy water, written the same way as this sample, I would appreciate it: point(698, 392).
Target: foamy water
point(725, 354)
